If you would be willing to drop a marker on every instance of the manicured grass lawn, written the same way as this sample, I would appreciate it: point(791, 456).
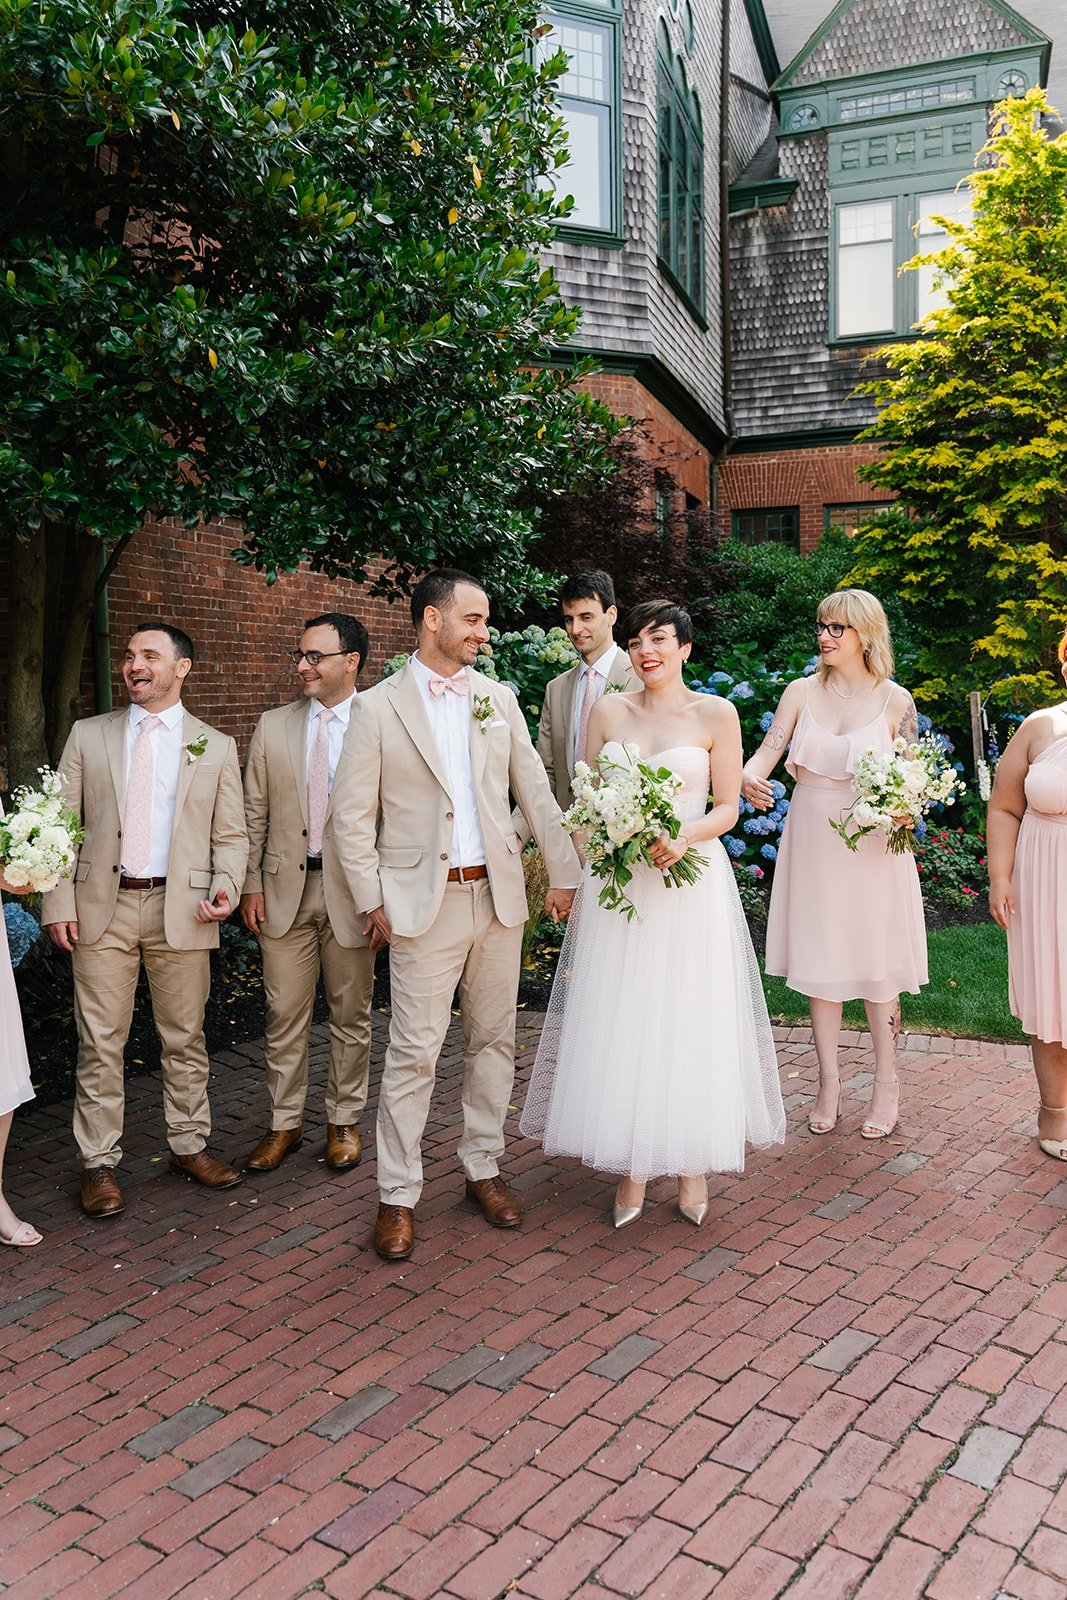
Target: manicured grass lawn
point(967, 993)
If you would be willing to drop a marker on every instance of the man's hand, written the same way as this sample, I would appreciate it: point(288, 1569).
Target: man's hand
point(378, 926)
point(63, 934)
point(558, 903)
point(253, 910)
point(216, 910)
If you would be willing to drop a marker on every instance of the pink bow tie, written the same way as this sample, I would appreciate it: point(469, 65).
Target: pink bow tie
point(460, 684)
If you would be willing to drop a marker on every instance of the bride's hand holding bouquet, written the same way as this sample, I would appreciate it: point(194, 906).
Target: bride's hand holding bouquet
point(625, 813)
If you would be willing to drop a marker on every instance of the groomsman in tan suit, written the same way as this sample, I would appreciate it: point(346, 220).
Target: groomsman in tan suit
point(424, 832)
point(297, 901)
point(159, 794)
point(589, 614)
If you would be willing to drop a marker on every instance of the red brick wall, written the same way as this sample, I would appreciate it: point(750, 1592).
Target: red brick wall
point(686, 457)
point(811, 479)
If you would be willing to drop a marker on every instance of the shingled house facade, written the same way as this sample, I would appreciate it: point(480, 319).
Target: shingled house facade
point(879, 116)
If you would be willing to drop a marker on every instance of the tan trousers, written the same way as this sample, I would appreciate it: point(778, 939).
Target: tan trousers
point(291, 967)
point(468, 946)
point(105, 981)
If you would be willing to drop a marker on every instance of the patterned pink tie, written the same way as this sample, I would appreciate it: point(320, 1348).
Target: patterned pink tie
point(137, 823)
point(319, 782)
point(588, 702)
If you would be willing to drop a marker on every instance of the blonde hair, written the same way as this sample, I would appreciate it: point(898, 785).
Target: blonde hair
point(1061, 651)
point(858, 609)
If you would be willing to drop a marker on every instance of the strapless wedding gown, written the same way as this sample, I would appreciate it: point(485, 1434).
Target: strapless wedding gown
point(656, 1056)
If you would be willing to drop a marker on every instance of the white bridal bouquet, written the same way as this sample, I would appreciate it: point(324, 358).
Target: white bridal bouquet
point(39, 838)
point(623, 808)
point(896, 791)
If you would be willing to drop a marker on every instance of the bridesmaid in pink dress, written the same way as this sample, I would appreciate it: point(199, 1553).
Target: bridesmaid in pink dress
point(15, 1086)
point(1027, 838)
point(842, 925)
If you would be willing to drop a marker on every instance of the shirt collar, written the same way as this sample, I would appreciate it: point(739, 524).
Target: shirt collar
point(423, 673)
point(171, 718)
point(603, 663)
point(342, 710)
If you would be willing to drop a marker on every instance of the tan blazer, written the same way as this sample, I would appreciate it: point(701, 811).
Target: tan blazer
point(276, 801)
point(208, 843)
point(555, 736)
point(392, 813)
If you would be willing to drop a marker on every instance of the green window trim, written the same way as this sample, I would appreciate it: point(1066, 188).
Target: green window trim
point(873, 233)
point(680, 241)
point(589, 96)
point(767, 525)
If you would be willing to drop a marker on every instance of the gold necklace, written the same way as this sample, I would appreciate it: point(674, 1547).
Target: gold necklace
point(840, 692)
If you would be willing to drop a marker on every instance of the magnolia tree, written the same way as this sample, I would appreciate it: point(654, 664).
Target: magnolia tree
point(973, 422)
point(283, 270)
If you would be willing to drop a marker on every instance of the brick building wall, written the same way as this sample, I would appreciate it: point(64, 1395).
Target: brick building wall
point(686, 457)
point(809, 479)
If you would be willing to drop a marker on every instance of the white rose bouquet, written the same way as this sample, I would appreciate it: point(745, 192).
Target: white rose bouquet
point(623, 808)
point(895, 791)
point(39, 838)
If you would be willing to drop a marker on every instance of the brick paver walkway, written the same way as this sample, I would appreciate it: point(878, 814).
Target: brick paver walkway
point(851, 1381)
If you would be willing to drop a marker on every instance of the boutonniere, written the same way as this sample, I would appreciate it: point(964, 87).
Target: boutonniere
point(614, 688)
point(482, 710)
point(195, 749)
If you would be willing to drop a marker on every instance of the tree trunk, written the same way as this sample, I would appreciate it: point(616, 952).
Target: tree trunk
point(67, 649)
point(27, 747)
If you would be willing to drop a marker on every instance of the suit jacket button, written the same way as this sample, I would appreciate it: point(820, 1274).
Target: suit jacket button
point(444, 857)
point(305, 833)
point(114, 869)
point(302, 866)
point(448, 816)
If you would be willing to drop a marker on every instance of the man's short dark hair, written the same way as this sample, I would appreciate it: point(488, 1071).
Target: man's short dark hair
point(588, 586)
point(438, 589)
point(352, 636)
point(658, 614)
point(183, 645)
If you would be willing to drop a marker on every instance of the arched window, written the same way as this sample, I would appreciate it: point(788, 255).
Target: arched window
point(681, 175)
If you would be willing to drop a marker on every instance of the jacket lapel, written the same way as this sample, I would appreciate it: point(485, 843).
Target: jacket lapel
point(407, 703)
point(115, 745)
point(192, 728)
point(478, 733)
point(568, 688)
point(620, 673)
point(296, 744)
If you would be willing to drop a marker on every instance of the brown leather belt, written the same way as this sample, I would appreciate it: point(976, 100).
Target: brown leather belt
point(467, 874)
point(314, 863)
point(141, 883)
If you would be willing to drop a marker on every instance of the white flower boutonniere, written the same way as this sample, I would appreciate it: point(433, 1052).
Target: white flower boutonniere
point(482, 710)
point(195, 749)
point(614, 688)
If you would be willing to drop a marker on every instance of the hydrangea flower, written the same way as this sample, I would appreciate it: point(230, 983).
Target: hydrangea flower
point(23, 931)
point(770, 851)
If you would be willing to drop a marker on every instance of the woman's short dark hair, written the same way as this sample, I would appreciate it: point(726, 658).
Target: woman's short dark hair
point(437, 589)
point(658, 614)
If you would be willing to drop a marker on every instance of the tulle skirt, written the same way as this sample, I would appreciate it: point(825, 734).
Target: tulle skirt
point(656, 1055)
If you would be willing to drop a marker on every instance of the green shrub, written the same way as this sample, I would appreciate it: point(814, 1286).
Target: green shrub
point(952, 867)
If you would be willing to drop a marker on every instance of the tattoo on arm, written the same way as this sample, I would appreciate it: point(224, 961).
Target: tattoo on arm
point(909, 723)
point(774, 738)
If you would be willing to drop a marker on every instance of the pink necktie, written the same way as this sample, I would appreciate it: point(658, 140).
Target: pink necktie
point(319, 782)
point(460, 684)
point(588, 702)
point(137, 823)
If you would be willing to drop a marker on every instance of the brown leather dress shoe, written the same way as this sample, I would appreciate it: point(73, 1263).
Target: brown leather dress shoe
point(273, 1148)
point(100, 1193)
point(394, 1232)
point(205, 1168)
point(498, 1205)
point(344, 1147)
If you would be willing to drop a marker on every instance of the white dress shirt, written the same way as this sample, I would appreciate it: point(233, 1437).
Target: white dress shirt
point(336, 728)
point(600, 668)
point(168, 754)
point(450, 721)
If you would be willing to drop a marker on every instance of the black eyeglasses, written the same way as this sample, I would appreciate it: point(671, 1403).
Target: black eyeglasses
point(834, 629)
point(313, 657)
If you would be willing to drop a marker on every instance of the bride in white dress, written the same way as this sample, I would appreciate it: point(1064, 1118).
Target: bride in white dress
point(656, 1056)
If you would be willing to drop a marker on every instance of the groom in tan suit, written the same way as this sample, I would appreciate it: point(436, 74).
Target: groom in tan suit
point(159, 794)
point(423, 830)
point(296, 899)
point(589, 615)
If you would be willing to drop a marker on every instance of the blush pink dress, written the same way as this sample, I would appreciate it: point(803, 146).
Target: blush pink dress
point(843, 924)
point(1037, 939)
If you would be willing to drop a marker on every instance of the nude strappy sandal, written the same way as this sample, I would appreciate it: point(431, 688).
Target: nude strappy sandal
point(1056, 1148)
